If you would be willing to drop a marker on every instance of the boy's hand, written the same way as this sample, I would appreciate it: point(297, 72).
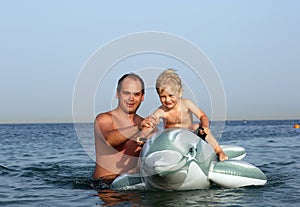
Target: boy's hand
point(205, 130)
point(222, 156)
point(149, 122)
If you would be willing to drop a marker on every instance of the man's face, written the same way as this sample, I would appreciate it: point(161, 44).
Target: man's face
point(130, 95)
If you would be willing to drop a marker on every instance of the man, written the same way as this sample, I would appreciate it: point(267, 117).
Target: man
point(116, 151)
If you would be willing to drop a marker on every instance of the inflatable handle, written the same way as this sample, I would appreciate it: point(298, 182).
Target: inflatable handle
point(141, 141)
point(202, 136)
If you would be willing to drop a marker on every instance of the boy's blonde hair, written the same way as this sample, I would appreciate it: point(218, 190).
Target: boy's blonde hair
point(168, 78)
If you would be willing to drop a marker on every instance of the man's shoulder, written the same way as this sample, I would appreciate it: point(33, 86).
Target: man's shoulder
point(104, 116)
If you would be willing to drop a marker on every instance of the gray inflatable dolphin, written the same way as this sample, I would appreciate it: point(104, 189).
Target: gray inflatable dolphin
point(177, 159)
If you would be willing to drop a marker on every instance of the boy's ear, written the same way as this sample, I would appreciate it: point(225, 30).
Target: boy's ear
point(181, 92)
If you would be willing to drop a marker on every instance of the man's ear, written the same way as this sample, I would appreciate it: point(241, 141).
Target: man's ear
point(117, 94)
point(143, 97)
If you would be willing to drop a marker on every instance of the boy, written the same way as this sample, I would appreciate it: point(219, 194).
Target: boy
point(177, 112)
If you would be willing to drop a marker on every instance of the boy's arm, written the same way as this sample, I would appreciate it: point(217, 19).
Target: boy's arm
point(153, 119)
point(215, 145)
point(198, 113)
point(148, 125)
point(103, 127)
point(205, 131)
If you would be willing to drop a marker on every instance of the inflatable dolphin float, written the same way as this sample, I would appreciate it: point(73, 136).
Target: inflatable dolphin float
point(177, 159)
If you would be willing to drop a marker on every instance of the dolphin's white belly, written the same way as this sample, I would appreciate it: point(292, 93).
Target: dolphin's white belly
point(174, 160)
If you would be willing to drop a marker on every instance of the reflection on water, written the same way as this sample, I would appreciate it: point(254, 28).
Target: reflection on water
point(210, 197)
point(214, 196)
point(115, 198)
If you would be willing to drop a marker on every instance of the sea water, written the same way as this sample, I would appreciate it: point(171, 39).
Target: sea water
point(47, 165)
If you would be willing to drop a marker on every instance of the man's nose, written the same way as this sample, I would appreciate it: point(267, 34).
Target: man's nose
point(131, 97)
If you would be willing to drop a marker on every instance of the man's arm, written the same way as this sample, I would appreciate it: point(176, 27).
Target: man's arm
point(104, 127)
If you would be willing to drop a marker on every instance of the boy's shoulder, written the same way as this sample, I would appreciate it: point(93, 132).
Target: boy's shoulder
point(186, 100)
point(188, 103)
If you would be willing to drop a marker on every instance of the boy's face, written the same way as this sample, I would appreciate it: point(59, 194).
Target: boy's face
point(169, 97)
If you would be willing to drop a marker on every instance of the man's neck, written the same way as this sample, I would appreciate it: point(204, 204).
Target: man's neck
point(125, 115)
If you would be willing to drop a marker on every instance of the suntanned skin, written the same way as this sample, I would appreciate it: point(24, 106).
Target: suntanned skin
point(116, 151)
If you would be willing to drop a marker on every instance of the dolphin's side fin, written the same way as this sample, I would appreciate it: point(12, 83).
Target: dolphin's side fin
point(236, 173)
point(234, 152)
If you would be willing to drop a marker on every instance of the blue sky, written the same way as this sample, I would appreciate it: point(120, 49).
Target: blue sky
point(254, 46)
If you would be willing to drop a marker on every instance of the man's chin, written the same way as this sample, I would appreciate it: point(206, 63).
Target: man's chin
point(131, 110)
